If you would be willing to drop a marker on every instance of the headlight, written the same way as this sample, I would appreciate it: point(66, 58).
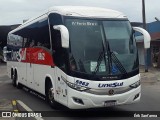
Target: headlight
point(76, 87)
point(136, 84)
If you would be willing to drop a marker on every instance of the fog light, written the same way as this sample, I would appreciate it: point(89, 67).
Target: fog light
point(77, 100)
point(136, 96)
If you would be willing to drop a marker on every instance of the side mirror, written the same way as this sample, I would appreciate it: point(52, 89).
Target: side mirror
point(147, 37)
point(64, 35)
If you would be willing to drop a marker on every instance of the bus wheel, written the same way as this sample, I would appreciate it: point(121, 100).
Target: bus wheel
point(50, 97)
point(14, 81)
point(12, 74)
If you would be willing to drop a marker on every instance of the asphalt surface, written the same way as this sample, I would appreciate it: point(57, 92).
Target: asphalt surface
point(150, 100)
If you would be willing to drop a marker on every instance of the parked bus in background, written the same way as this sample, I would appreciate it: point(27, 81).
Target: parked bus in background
point(81, 57)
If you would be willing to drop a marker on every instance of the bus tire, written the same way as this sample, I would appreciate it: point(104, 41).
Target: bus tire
point(14, 81)
point(50, 97)
point(19, 86)
point(12, 74)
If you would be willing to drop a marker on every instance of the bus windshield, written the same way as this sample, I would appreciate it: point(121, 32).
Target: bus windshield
point(101, 46)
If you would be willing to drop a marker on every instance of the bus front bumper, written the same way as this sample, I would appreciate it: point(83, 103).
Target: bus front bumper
point(83, 100)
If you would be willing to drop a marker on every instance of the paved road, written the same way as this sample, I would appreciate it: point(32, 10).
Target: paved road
point(150, 100)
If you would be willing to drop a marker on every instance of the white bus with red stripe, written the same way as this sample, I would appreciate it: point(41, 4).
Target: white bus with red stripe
point(81, 57)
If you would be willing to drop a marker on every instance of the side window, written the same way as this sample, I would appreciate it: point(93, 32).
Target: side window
point(29, 35)
point(32, 43)
point(16, 40)
point(36, 34)
point(55, 19)
point(32, 34)
point(25, 42)
point(59, 54)
point(43, 34)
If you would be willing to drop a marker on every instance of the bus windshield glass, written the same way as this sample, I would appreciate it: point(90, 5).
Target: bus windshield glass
point(101, 46)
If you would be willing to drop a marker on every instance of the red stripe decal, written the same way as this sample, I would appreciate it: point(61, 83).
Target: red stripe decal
point(36, 56)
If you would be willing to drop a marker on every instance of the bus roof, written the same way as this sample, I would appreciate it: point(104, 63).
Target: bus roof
point(78, 11)
point(85, 11)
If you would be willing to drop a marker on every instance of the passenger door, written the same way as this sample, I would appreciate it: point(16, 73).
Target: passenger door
point(61, 86)
point(59, 58)
point(30, 70)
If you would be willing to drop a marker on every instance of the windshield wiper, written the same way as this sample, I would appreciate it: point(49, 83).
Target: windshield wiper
point(112, 57)
point(100, 58)
point(118, 63)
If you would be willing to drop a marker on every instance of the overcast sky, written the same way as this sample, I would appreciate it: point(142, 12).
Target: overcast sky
point(15, 11)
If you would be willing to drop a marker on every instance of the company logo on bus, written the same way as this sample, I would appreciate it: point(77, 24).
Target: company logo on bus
point(18, 55)
point(116, 84)
point(111, 92)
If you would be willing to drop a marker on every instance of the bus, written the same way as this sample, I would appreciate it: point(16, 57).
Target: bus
point(81, 57)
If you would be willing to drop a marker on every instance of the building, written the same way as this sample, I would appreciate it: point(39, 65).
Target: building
point(153, 58)
point(154, 30)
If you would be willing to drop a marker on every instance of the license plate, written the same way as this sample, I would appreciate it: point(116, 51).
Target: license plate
point(110, 103)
